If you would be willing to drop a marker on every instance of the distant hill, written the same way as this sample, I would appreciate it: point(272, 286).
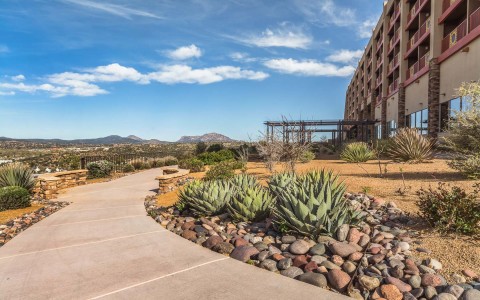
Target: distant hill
point(207, 138)
point(108, 140)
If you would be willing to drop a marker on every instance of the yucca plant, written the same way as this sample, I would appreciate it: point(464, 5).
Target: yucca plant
point(251, 204)
point(408, 145)
point(206, 198)
point(17, 174)
point(357, 152)
point(314, 204)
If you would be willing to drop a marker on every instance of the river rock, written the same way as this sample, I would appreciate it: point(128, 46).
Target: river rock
point(299, 247)
point(369, 283)
point(292, 272)
point(342, 249)
point(318, 249)
point(338, 279)
point(244, 253)
point(314, 279)
point(269, 265)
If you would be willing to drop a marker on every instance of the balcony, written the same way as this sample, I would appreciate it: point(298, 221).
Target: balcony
point(448, 3)
point(394, 17)
point(380, 43)
point(417, 67)
point(393, 87)
point(379, 62)
point(419, 35)
point(393, 64)
point(378, 81)
point(415, 10)
point(475, 19)
point(454, 36)
point(394, 40)
point(379, 99)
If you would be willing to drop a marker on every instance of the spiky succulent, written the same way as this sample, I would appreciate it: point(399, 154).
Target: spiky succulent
point(16, 174)
point(314, 204)
point(357, 152)
point(245, 181)
point(251, 204)
point(206, 198)
point(281, 181)
point(408, 145)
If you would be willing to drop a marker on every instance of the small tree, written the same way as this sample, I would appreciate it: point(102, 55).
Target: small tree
point(270, 149)
point(200, 148)
point(463, 135)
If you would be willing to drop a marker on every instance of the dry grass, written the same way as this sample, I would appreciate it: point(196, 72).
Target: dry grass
point(9, 215)
point(455, 252)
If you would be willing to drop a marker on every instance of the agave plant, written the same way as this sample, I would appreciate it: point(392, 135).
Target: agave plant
point(357, 152)
point(17, 174)
point(314, 204)
point(281, 181)
point(252, 204)
point(206, 198)
point(245, 181)
point(408, 145)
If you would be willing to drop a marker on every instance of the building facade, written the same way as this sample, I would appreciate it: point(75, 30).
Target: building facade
point(419, 54)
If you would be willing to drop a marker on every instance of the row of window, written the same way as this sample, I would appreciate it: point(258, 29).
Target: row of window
point(419, 119)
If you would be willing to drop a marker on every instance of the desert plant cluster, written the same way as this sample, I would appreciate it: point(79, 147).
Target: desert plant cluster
point(16, 185)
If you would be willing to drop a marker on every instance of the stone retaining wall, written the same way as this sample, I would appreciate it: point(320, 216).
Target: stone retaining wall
point(171, 179)
point(48, 185)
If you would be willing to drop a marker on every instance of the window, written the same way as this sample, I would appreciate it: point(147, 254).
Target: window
point(378, 132)
point(448, 109)
point(419, 120)
point(391, 128)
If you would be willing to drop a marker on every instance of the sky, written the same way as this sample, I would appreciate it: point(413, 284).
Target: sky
point(167, 68)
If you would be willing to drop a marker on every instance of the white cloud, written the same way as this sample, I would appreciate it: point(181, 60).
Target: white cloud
point(114, 9)
point(185, 52)
point(242, 57)
point(326, 12)
point(366, 28)
point(18, 78)
point(11, 93)
point(284, 36)
point(308, 68)
point(345, 56)
point(86, 83)
point(4, 49)
point(185, 74)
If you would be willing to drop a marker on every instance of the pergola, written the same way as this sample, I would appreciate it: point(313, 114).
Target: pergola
point(302, 131)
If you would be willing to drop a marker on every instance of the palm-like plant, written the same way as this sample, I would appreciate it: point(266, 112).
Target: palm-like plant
point(252, 204)
point(314, 204)
point(408, 145)
point(206, 198)
point(17, 174)
point(357, 152)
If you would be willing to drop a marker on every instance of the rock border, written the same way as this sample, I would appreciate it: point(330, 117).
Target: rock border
point(369, 261)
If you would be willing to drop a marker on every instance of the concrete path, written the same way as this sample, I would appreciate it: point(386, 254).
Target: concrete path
point(104, 245)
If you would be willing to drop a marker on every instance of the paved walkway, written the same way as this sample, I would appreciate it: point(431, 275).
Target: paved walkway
point(104, 245)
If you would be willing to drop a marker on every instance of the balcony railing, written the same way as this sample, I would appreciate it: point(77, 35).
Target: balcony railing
point(380, 43)
point(454, 36)
point(392, 64)
point(415, 9)
point(475, 19)
point(379, 99)
point(393, 86)
point(424, 29)
point(418, 66)
point(378, 81)
point(395, 15)
point(448, 3)
point(394, 40)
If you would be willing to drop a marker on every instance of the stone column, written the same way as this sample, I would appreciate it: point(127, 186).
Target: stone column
point(384, 117)
point(401, 106)
point(433, 98)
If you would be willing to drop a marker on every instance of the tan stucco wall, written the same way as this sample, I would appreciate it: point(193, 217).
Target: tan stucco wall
point(415, 94)
point(458, 68)
point(392, 108)
point(378, 112)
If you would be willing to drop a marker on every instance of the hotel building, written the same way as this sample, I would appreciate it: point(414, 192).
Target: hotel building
point(419, 54)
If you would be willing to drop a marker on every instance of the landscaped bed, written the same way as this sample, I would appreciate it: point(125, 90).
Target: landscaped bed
point(392, 242)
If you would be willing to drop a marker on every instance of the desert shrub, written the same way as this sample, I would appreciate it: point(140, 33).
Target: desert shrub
point(200, 148)
point(215, 148)
point(357, 152)
point(307, 156)
point(210, 158)
point(13, 197)
point(138, 165)
point(408, 145)
point(463, 135)
point(252, 204)
point(156, 163)
point(128, 168)
point(222, 170)
point(16, 174)
point(192, 164)
point(99, 169)
point(452, 209)
point(312, 204)
point(170, 161)
point(206, 198)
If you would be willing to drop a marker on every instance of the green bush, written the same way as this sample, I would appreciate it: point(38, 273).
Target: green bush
point(14, 197)
point(357, 152)
point(307, 156)
point(200, 148)
point(467, 164)
point(128, 168)
point(311, 204)
point(206, 198)
point(17, 174)
point(215, 148)
point(192, 164)
point(408, 145)
point(170, 161)
point(210, 158)
point(451, 209)
point(222, 170)
point(99, 169)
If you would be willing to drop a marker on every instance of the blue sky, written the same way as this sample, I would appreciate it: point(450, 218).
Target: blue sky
point(166, 68)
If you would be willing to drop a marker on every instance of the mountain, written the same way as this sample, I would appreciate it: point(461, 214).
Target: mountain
point(108, 140)
point(207, 138)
